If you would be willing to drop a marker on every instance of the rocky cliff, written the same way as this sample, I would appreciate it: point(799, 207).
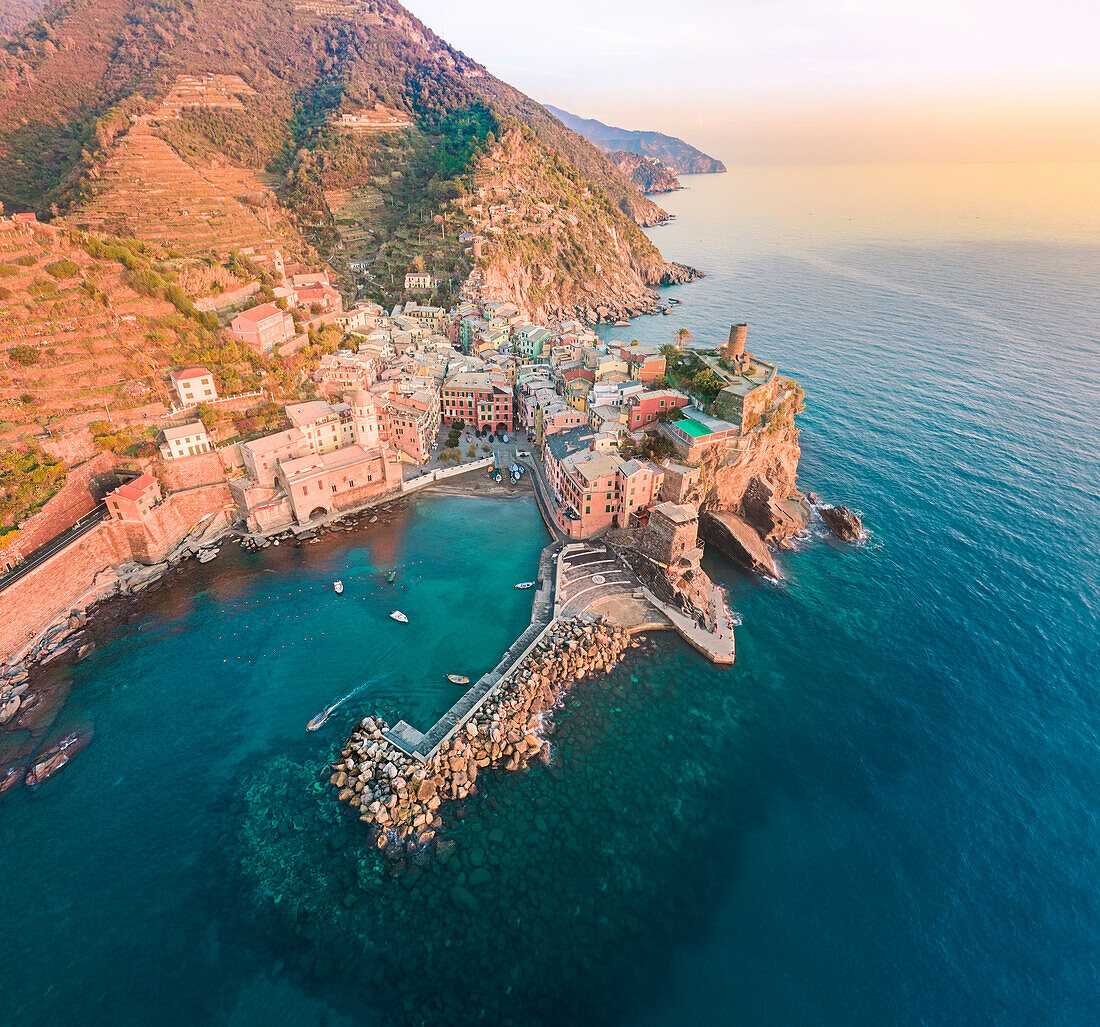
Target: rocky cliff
point(564, 252)
point(647, 173)
point(756, 481)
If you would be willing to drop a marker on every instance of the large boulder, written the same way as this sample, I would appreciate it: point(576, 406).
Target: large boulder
point(739, 541)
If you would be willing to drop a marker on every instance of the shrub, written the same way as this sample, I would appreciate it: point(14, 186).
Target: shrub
point(25, 355)
point(5, 294)
point(63, 268)
point(26, 261)
point(6, 271)
point(146, 282)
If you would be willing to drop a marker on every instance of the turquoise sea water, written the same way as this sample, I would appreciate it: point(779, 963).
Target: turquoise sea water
point(885, 813)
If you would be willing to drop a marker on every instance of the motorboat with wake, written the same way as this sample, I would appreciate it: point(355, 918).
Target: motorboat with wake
point(397, 615)
point(321, 717)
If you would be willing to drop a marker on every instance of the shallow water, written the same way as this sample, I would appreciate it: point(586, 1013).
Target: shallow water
point(885, 813)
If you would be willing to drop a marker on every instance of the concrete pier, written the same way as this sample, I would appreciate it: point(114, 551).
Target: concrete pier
point(424, 745)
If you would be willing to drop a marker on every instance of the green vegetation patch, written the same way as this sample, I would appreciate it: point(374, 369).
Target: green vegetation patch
point(27, 479)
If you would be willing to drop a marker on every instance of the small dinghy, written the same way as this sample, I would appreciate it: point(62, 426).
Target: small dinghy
point(525, 584)
point(338, 587)
point(397, 615)
point(458, 679)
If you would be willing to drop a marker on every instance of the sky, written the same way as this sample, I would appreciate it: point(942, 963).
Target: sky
point(830, 81)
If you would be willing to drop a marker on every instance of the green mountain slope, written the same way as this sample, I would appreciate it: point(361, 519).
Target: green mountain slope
point(90, 115)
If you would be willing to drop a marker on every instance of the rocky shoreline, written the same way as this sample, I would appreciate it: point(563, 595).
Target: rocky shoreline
point(609, 307)
point(402, 800)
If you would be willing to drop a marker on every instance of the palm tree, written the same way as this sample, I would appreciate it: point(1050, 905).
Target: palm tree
point(683, 336)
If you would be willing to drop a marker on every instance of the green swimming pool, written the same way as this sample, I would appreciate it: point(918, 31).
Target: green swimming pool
point(693, 427)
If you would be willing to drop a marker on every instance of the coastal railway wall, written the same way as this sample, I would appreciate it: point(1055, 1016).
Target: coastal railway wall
point(78, 497)
point(67, 579)
point(28, 606)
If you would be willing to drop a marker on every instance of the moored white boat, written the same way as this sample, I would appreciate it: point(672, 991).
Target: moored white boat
point(338, 587)
point(525, 584)
point(397, 615)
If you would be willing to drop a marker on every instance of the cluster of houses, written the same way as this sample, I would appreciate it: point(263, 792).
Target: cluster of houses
point(403, 374)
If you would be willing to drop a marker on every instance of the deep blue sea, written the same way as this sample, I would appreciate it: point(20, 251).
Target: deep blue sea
point(885, 813)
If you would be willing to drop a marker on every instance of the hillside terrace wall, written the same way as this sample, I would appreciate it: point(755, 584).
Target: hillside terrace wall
point(77, 498)
point(188, 471)
point(150, 542)
point(228, 299)
point(74, 447)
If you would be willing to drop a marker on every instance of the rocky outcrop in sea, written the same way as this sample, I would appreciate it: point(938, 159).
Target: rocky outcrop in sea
point(842, 522)
point(402, 799)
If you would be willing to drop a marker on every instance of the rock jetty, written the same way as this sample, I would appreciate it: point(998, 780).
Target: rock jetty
point(402, 799)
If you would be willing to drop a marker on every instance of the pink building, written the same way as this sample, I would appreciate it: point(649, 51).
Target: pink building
point(321, 484)
point(263, 327)
point(261, 456)
point(323, 295)
point(134, 500)
point(644, 408)
point(413, 424)
point(480, 398)
point(596, 490)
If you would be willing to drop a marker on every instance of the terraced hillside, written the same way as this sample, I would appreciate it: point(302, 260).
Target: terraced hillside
point(145, 189)
point(175, 121)
point(83, 336)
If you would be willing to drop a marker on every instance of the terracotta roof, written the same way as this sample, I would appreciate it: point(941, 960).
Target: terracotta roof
point(255, 315)
point(135, 489)
point(190, 372)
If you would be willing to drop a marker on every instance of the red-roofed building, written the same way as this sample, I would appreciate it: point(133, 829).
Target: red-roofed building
point(323, 294)
point(194, 385)
point(263, 327)
point(134, 500)
point(481, 399)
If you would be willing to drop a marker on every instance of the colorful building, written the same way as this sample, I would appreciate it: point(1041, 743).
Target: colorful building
point(594, 489)
point(135, 500)
point(184, 440)
point(263, 327)
point(481, 399)
point(645, 407)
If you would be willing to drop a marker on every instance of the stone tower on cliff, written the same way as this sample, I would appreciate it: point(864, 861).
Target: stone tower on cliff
point(734, 350)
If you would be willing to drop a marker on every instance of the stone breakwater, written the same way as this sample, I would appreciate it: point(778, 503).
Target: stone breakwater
point(402, 799)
